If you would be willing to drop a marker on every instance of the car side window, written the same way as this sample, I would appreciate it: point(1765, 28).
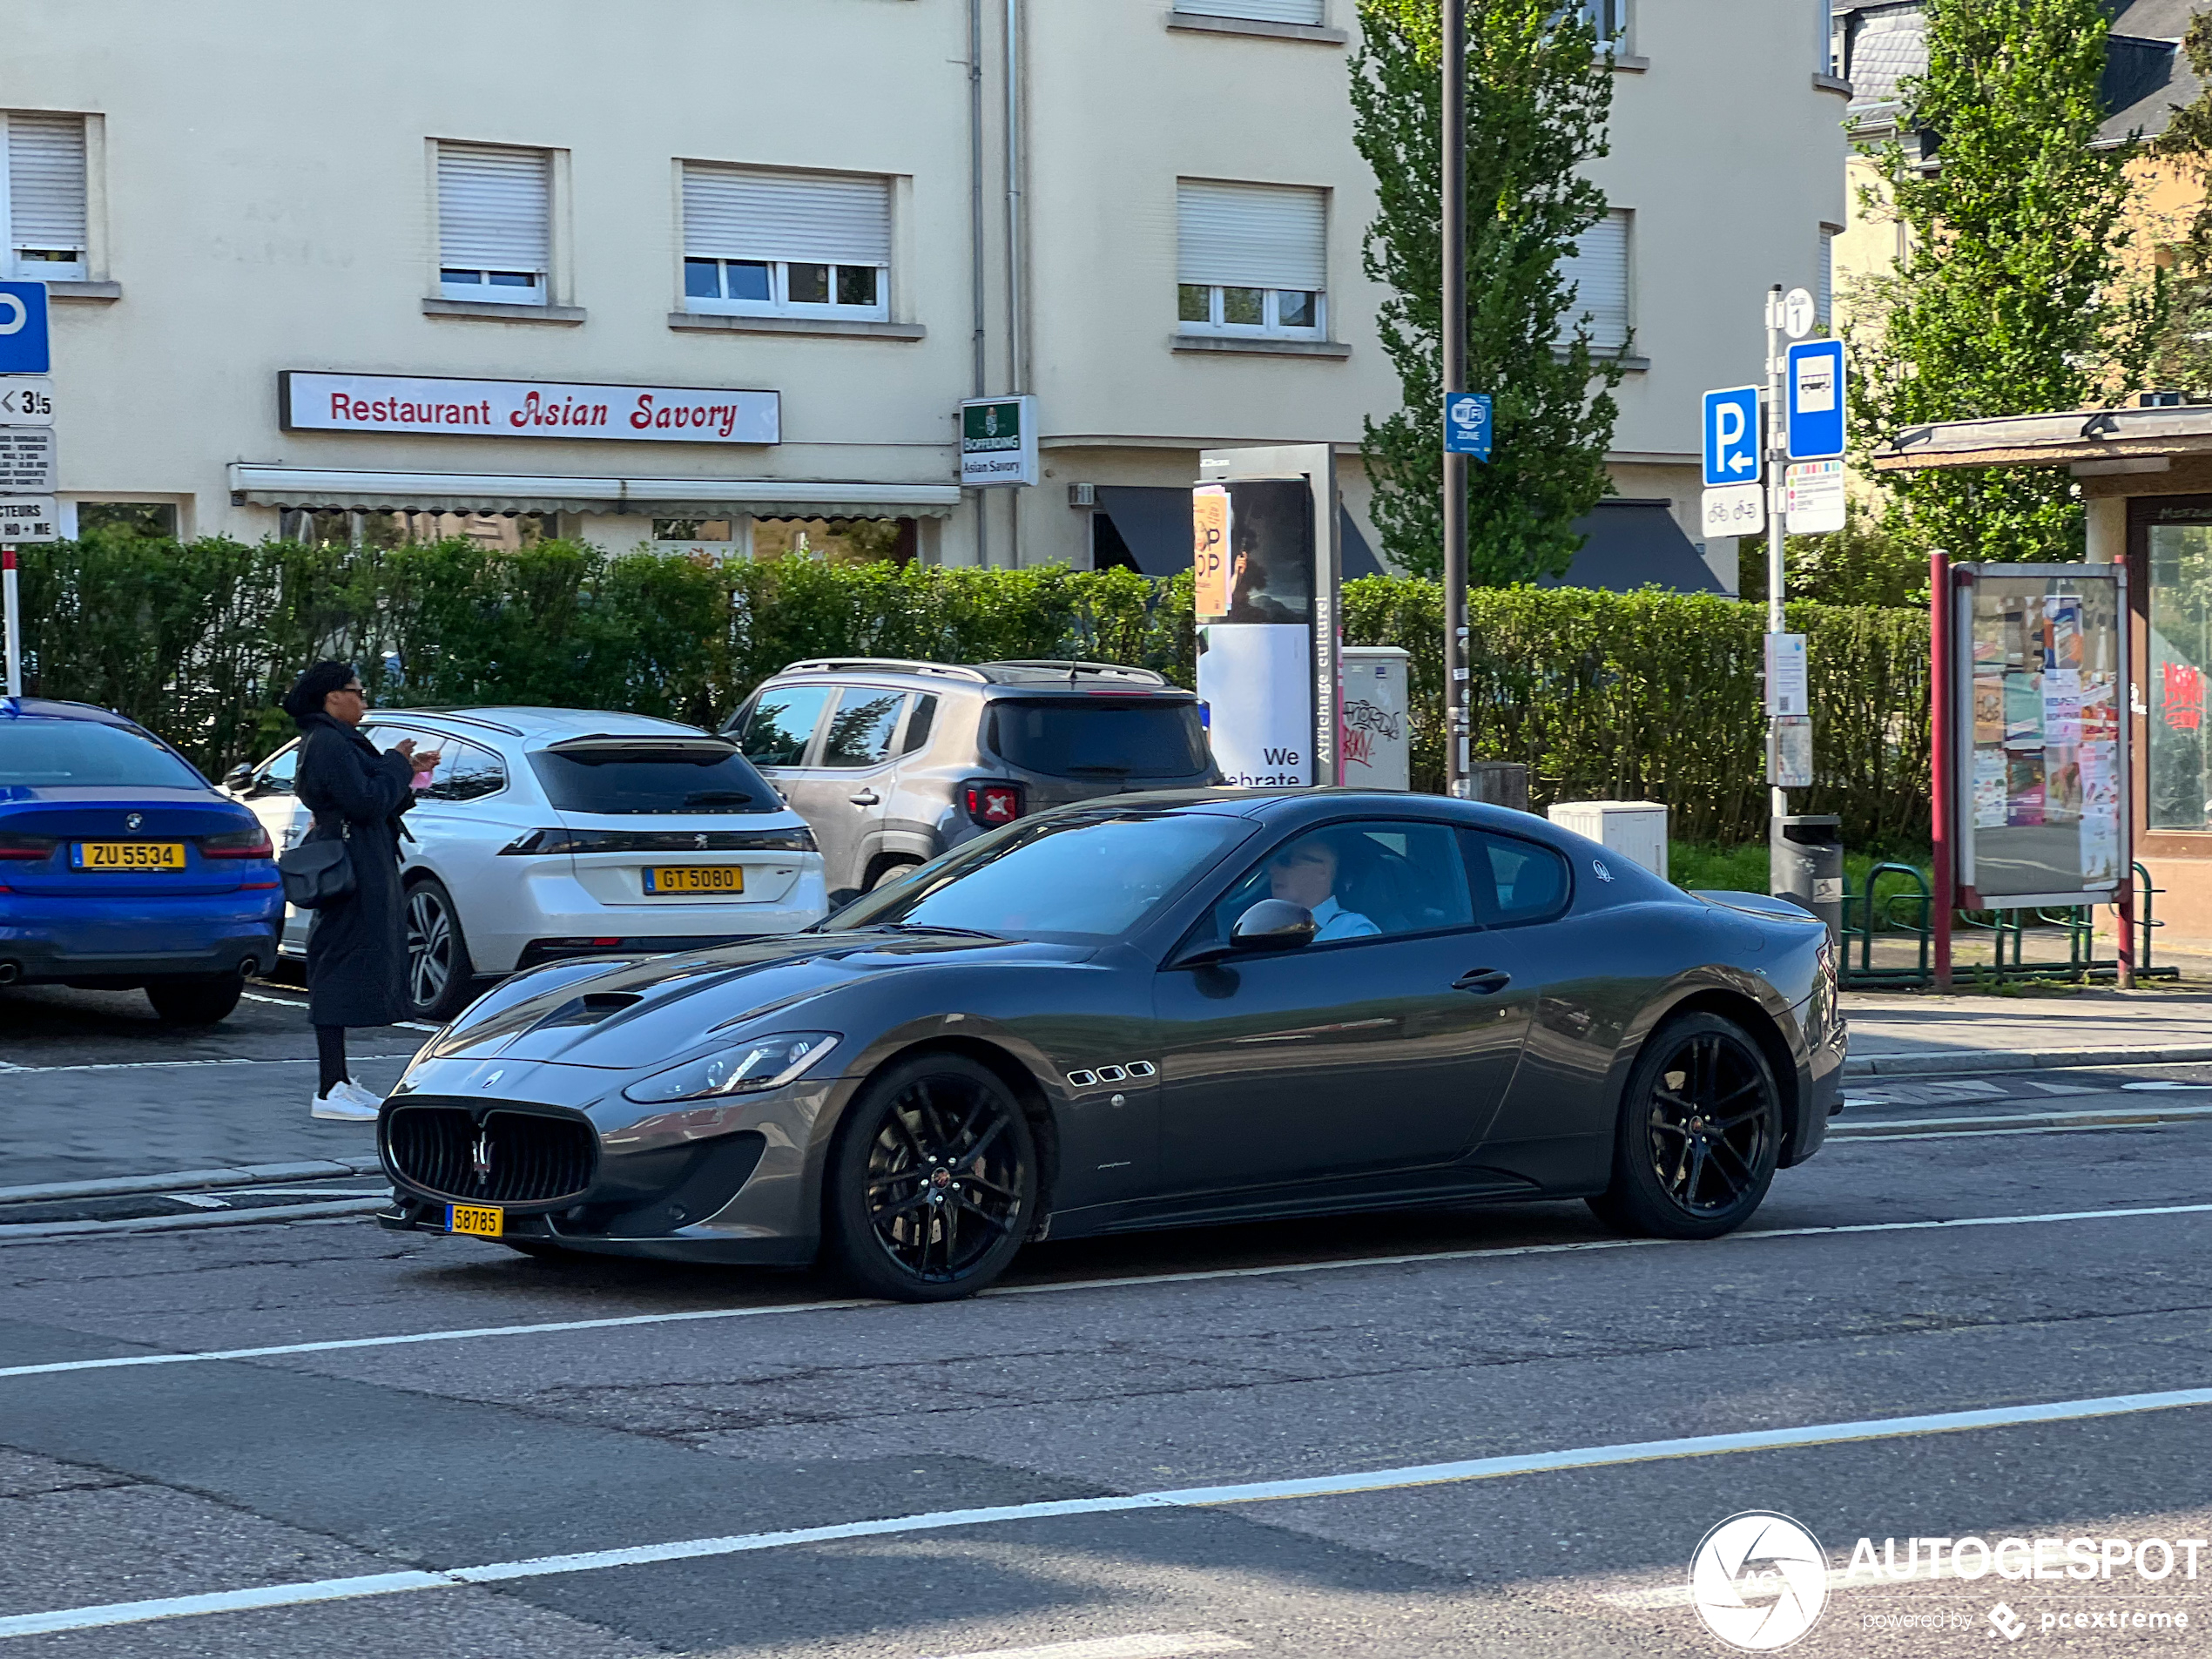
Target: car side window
point(465, 772)
point(1516, 881)
point(1377, 879)
point(279, 776)
point(859, 731)
point(782, 724)
point(918, 724)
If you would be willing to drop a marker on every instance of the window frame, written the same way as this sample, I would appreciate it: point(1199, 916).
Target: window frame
point(1190, 941)
point(807, 750)
point(1270, 326)
point(1472, 837)
point(548, 286)
point(861, 693)
point(779, 303)
point(12, 264)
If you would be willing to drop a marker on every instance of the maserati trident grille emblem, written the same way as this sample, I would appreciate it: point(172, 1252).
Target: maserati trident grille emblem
point(480, 1156)
point(133, 820)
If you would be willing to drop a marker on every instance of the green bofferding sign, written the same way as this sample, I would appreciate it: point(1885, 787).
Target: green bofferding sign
point(998, 440)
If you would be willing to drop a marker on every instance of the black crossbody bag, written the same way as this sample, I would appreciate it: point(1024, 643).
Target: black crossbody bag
point(319, 873)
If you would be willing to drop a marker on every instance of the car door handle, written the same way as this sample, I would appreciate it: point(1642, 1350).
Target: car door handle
point(1483, 982)
point(865, 798)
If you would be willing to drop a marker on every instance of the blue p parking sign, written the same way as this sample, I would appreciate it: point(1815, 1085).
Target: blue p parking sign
point(22, 329)
point(1466, 424)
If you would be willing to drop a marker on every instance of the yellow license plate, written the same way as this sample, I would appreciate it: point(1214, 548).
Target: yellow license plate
point(483, 1221)
point(695, 878)
point(129, 855)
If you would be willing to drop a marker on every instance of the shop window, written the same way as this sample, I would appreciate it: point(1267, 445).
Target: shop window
point(837, 540)
point(44, 194)
point(495, 223)
point(150, 518)
point(337, 526)
point(1250, 260)
point(694, 530)
point(783, 244)
point(2181, 674)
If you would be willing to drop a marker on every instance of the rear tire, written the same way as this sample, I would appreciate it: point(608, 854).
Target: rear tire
point(891, 872)
point(932, 1182)
point(440, 977)
point(1699, 1133)
point(205, 1000)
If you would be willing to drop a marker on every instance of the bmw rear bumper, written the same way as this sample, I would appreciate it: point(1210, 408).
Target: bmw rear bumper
point(60, 940)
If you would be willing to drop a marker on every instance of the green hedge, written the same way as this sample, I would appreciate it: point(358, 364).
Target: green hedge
point(1640, 696)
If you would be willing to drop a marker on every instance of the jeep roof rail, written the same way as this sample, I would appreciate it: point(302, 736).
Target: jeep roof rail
point(1034, 667)
point(886, 665)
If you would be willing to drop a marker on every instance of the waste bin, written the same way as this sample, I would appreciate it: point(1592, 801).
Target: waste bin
point(1807, 865)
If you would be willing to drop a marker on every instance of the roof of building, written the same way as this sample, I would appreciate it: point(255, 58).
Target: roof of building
point(2147, 76)
point(2090, 441)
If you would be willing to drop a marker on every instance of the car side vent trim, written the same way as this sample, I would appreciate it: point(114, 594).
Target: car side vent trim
point(1110, 1075)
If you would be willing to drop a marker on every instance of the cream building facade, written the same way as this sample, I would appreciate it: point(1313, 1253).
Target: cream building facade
point(308, 263)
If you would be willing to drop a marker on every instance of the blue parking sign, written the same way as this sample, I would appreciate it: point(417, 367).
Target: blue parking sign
point(1466, 424)
point(1732, 436)
point(1816, 389)
point(22, 329)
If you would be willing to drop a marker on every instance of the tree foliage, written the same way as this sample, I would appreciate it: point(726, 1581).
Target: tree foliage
point(1539, 94)
point(2012, 298)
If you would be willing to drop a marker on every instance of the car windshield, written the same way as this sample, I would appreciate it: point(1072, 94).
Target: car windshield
point(87, 754)
point(1100, 737)
point(629, 779)
point(1073, 879)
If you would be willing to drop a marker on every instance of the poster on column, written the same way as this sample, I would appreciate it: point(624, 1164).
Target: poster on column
point(2041, 783)
point(1253, 550)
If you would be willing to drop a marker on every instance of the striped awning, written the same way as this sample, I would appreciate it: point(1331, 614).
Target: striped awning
point(345, 490)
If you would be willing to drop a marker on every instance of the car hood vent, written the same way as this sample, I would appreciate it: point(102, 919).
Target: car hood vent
point(588, 1010)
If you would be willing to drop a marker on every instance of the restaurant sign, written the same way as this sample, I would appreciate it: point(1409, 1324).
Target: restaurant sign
point(313, 402)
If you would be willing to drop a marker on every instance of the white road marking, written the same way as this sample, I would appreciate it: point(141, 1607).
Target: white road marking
point(197, 1200)
point(1839, 1578)
point(1328, 1485)
point(2129, 1114)
point(1197, 1276)
point(2108, 1126)
point(1149, 1645)
point(238, 1060)
point(2162, 1086)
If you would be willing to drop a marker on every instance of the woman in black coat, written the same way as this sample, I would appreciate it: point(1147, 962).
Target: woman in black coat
point(356, 947)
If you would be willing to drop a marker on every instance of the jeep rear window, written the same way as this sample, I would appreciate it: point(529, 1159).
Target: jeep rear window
point(625, 779)
point(1100, 737)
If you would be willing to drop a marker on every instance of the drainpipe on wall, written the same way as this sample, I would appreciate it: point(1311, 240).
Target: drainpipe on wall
point(1017, 366)
point(975, 244)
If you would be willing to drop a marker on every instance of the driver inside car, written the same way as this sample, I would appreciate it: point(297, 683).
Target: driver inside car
point(1304, 873)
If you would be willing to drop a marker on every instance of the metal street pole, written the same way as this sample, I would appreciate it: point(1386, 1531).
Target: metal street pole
point(1455, 364)
point(1776, 453)
point(13, 601)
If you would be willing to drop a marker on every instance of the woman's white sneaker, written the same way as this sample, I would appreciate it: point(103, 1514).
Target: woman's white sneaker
point(347, 1102)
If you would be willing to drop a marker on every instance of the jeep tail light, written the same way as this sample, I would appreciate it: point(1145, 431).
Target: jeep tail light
point(238, 844)
point(991, 804)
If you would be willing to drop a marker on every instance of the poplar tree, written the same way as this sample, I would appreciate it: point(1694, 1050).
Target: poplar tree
point(2013, 297)
point(1538, 98)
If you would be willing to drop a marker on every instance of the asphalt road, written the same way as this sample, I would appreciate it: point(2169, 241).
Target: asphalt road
point(1519, 1348)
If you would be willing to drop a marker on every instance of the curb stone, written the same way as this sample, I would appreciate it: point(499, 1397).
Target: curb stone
point(246, 1175)
point(1928, 1062)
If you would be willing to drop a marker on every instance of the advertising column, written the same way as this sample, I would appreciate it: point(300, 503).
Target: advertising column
point(1265, 555)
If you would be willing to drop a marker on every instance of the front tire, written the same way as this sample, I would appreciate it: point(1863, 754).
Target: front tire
point(440, 976)
point(932, 1183)
point(206, 1000)
point(1699, 1134)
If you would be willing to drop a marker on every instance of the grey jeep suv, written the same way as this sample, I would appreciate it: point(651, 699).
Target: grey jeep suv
point(891, 763)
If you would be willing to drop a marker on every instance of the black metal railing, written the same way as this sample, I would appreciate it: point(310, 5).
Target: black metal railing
point(1905, 914)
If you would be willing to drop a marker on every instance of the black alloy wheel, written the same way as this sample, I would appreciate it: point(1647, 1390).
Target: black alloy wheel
point(1700, 1132)
point(932, 1181)
point(440, 976)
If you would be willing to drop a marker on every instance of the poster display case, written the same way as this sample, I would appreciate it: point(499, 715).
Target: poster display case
point(2040, 747)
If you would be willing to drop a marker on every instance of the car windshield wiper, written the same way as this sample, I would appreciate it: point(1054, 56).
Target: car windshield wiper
point(928, 927)
point(709, 797)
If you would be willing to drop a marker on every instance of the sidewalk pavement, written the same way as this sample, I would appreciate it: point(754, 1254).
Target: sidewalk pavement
point(1893, 1033)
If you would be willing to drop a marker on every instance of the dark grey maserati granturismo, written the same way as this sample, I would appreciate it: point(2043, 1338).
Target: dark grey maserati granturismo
point(1152, 1011)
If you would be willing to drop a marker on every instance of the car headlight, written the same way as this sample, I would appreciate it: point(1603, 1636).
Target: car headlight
point(764, 1063)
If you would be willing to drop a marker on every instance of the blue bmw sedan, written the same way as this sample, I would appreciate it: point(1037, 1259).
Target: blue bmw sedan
point(121, 866)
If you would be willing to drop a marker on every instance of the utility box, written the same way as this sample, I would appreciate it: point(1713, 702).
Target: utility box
point(1377, 735)
point(1634, 829)
point(1806, 862)
point(1499, 783)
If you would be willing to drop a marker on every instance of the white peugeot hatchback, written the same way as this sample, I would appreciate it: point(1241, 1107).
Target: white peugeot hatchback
point(550, 833)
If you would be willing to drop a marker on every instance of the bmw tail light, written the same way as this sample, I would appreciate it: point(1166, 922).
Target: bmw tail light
point(238, 844)
point(25, 846)
point(990, 803)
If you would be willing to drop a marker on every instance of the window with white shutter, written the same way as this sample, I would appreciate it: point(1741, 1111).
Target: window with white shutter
point(43, 189)
point(1313, 11)
point(757, 243)
point(1251, 259)
point(495, 223)
point(1597, 272)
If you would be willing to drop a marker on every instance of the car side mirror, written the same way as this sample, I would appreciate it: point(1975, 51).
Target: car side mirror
point(1273, 924)
point(239, 779)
